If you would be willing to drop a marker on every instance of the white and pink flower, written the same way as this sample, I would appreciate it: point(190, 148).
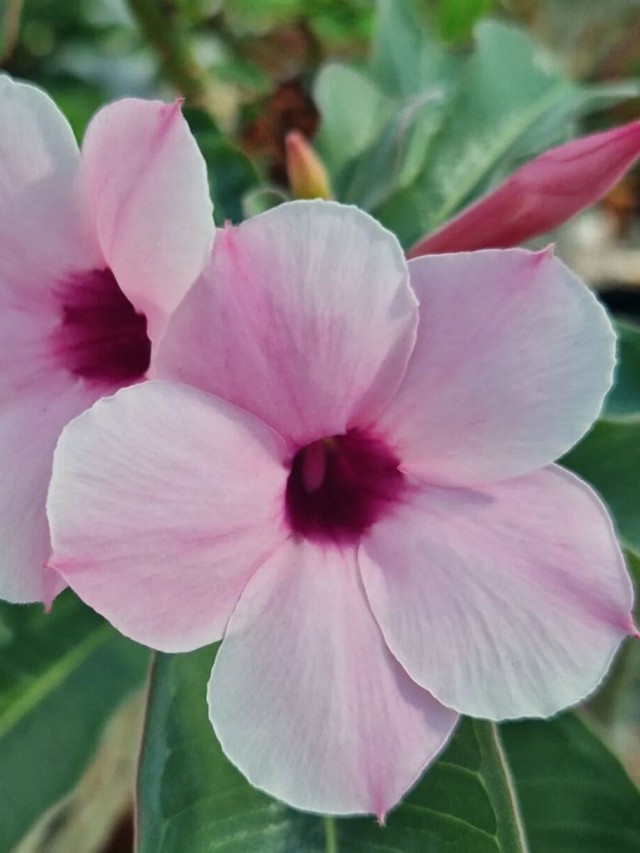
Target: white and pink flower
point(96, 250)
point(346, 473)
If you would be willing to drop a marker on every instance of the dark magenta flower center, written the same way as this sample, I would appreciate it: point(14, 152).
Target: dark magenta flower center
point(101, 336)
point(338, 487)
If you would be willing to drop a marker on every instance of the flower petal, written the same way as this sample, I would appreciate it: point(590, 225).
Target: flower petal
point(513, 359)
point(541, 195)
point(163, 502)
point(506, 601)
point(305, 318)
point(42, 229)
point(149, 196)
point(307, 701)
point(30, 426)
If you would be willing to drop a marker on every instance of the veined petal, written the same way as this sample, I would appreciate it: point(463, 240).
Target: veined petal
point(513, 359)
point(305, 317)
point(163, 502)
point(148, 193)
point(30, 425)
point(541, 195)
point(43, 232)
point(505, 601)
point(307, 701)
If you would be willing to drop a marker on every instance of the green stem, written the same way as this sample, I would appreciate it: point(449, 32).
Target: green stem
point(163, 26)
point(331, 834)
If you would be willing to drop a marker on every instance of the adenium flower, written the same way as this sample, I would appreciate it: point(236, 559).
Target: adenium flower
point(541, 195)
point(96, 250)
point(346, 473)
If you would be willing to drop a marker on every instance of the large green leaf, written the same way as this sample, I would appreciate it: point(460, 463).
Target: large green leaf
point(575, 795)
point(191, 798)
point(61, 677)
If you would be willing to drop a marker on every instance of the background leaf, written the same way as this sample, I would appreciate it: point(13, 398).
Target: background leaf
point(575, 795)
point(191, 798)
point(424, 130)
point(61, 677)
point(456, 18)
point(624, 397)
point(609, 455)
point(609, 458)
point(231, 173)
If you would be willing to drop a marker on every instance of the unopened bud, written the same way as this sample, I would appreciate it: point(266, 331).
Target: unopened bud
point(306, 172)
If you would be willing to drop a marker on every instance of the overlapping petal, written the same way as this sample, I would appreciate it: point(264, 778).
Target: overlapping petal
point(513, 359)
point(142, 172)
point(44, 232)
point(541, 195)
point(29, 430)
point(148, 193)
point(505, 601)
point(306, 699)
point(305, 317)
point(163, 502)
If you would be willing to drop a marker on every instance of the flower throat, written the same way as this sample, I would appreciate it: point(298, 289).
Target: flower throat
point(339, 486)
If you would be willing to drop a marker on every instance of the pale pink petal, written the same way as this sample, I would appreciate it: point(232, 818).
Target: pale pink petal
point(307, 701)
point(305, 317)
point(513, 358)
point(163, 502)
point(541, 195)
point(43, 227)
point(506, 601)
point(148, 192)
point(30, 425)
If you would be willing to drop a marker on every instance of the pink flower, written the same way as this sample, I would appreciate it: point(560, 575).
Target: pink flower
point(541, 195)
point(96, 250)
point(364, 506)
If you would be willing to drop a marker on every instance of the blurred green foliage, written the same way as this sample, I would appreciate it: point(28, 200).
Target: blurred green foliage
point(417, 107)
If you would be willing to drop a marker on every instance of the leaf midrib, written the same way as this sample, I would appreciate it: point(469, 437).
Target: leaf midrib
point(45, 684)
point(503, 795)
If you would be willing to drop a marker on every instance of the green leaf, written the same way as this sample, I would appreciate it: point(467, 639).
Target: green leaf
point(231, 173)
point(624, 397)
point(490, 120)
point(457, 18)
point(608, 457)
point(378, 123)
point(495, 122)
point(396, 158)
point(191, 798)
point(402, 55)
point(249, 16)
point(261, 199)
point(633, 564)
point(61, 677)
point(423, 131)
point(231, 176)
point(353, 112)
point(574, 794)
point(339, 24)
